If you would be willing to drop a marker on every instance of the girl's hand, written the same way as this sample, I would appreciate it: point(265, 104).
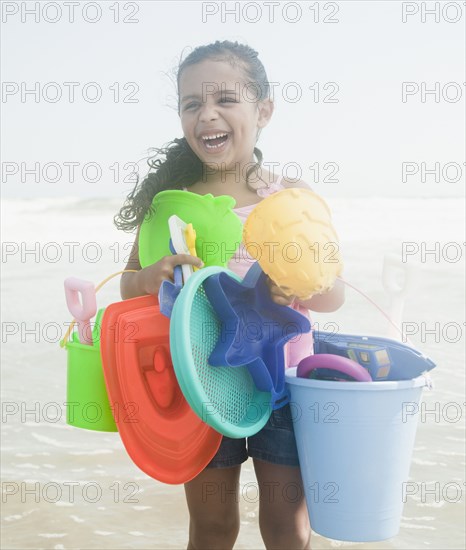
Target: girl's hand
point(278, 296)
point(151, 277)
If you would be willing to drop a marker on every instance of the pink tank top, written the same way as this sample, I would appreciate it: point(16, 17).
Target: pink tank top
point(241, 261)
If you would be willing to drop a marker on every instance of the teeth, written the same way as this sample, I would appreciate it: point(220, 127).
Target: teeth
point(213, 136)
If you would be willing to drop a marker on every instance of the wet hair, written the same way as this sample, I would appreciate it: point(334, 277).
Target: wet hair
point(176, 165)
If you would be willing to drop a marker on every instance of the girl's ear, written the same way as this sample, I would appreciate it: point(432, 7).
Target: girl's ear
point(265, 108)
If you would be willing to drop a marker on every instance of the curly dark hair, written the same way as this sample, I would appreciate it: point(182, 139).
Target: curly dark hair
point(176, 165)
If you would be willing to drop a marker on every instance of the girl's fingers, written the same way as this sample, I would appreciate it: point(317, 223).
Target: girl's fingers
point(279, 296)
point(180, 259)
point(281, 299)
point(277, 291)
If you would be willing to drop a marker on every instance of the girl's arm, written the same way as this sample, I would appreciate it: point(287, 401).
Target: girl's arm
point(130, 284)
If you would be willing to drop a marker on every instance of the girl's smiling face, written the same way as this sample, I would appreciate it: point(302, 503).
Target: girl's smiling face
point(220, 117)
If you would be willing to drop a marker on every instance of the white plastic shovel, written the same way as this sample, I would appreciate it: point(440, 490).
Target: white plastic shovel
point(397, 279)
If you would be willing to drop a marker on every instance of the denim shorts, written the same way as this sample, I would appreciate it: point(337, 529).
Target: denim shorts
point(275, 443)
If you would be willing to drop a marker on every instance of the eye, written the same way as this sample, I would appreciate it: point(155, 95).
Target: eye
point(228, 99)
point(190, 106)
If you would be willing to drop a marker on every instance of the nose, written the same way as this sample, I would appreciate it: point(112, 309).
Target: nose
point(208, 112)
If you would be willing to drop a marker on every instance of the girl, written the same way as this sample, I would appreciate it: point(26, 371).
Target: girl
point(223, 104)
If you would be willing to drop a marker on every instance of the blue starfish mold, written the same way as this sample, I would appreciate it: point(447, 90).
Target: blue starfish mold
point(254, 329)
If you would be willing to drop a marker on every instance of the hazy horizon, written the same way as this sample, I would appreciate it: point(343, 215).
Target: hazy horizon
point(381, 108)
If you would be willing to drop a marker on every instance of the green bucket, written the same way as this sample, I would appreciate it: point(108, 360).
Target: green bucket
point(219, 230)
point(88, 406)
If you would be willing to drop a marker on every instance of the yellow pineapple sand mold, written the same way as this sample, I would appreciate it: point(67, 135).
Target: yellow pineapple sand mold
point(292, 237)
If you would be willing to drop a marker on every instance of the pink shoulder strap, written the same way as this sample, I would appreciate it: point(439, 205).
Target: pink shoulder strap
point(273, 188)
point(279, 180)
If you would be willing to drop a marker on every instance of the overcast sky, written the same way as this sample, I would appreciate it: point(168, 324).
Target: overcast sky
point(351, 132)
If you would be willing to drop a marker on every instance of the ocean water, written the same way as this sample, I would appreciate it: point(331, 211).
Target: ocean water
point(68, 488)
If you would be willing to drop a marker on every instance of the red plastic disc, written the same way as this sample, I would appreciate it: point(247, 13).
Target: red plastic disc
point(160, 431)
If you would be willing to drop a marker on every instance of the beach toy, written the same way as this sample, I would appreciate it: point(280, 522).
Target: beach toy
point(182, 241)
point(355, 441)
point(225, 398)
point(384, 358)
point(88, 406)
point(310, 366)
point(159, 430)
point(218, 228)
point(190, 239)
point(168, 291)
point(290, 234)
point(397, 278)
point(83, 310)
point(178, 232)
point(254, 329)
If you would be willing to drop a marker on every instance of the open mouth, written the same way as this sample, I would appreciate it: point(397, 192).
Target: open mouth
point(215, 142)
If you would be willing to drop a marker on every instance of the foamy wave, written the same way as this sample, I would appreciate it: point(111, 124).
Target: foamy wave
point(449, 453)
point(415, 526)
point(439, 504)
point(30, 455)
point(424, 462)
point(13, 517)
point(50, 441)
point(91, 453)
point(423, 518)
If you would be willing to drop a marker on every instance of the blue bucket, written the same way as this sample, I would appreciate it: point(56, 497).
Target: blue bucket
point(355, 441)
